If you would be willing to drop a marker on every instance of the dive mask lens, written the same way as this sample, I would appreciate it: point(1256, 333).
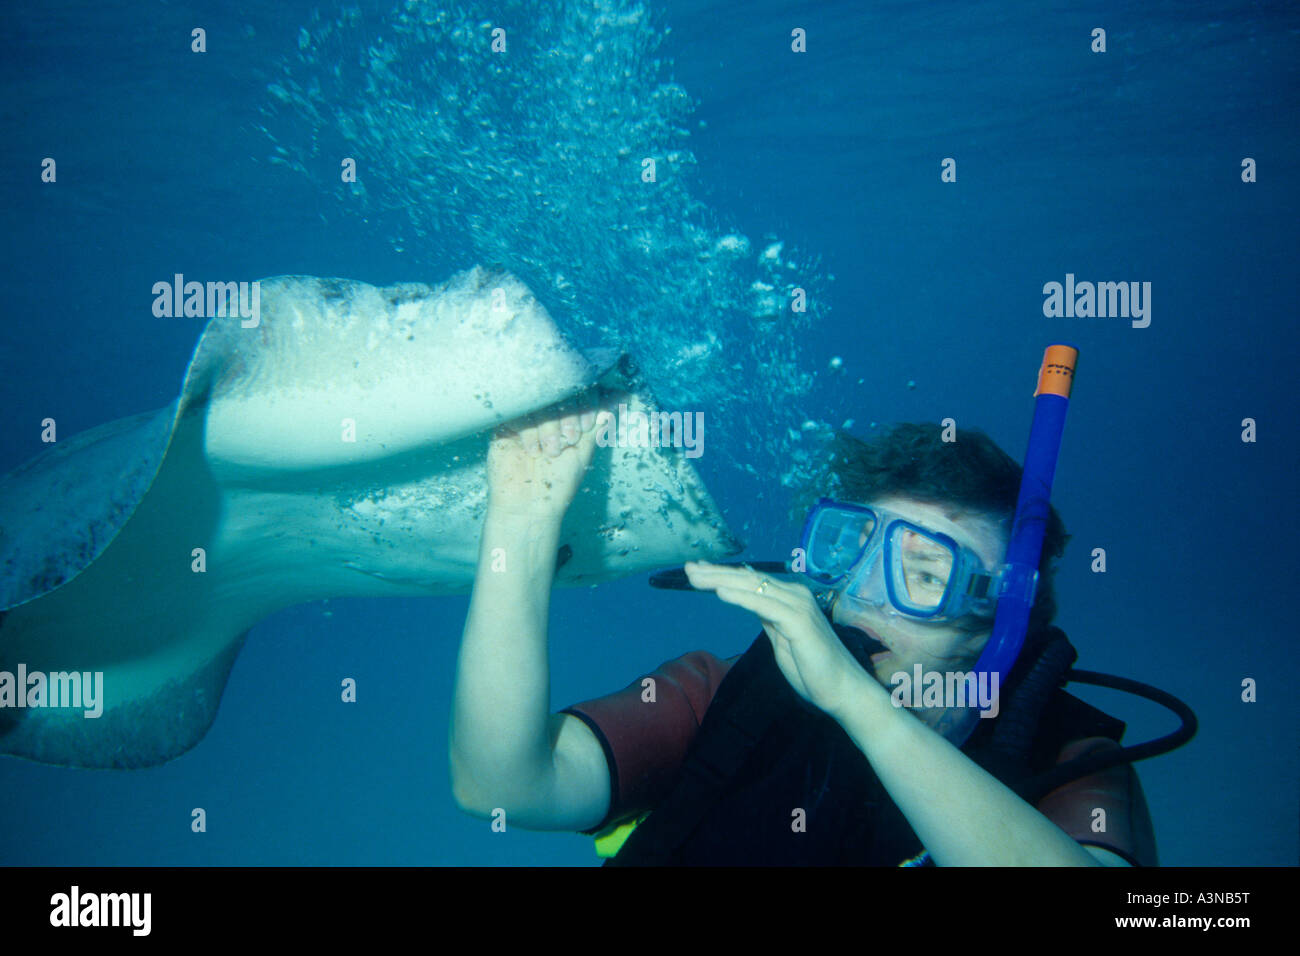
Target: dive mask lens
point(836, 538)
point(921, 568)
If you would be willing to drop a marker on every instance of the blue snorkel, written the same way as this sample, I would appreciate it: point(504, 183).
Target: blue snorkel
point(1025, 548)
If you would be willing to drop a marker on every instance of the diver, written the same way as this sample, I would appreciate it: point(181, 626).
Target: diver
point(795, 752)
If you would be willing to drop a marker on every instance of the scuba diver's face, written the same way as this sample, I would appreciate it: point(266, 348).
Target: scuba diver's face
point(943, 647)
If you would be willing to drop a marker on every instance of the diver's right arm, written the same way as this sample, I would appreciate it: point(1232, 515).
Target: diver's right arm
point(507, 750)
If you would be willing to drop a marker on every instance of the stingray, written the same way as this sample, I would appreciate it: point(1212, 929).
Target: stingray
point(145, 549)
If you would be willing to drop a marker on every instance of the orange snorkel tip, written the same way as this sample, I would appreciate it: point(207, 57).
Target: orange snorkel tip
point(1056, 374)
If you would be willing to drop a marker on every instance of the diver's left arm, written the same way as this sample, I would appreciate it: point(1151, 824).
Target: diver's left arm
point(962, 814)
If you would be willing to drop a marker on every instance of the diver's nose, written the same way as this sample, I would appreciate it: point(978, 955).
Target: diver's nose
point(866, 585)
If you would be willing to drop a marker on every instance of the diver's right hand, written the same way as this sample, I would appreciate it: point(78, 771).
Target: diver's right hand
point(536, 465)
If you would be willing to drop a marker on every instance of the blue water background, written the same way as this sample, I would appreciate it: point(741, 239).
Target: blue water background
point(1123, 166)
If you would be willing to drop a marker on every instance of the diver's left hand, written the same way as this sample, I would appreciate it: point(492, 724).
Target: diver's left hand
point(811, 656)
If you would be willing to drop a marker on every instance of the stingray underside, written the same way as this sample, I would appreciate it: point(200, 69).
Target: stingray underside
point(335, 447)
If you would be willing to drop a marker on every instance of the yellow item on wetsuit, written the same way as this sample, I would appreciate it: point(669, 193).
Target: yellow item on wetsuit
point(611, 839)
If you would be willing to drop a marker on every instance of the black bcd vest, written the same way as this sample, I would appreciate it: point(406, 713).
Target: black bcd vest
point(763, 753)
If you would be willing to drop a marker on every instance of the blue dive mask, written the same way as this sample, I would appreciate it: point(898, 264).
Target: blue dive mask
point(875, 557)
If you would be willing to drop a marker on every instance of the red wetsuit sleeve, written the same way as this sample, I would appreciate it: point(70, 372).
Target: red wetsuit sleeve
point(1072, 807)
point(646, 741)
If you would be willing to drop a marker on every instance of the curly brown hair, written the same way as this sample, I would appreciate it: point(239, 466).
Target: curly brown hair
point(912, 459)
